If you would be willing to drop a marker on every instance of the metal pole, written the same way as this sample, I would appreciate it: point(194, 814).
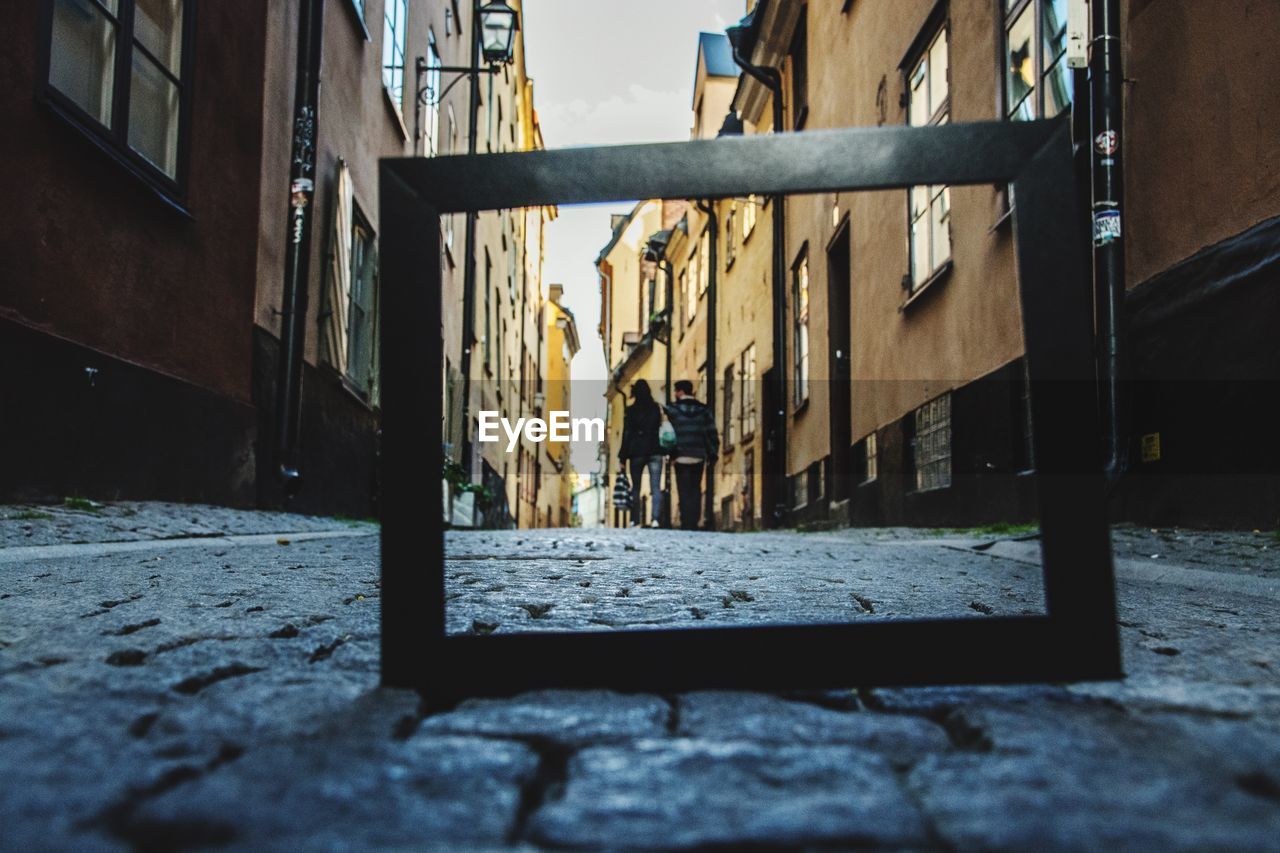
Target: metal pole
point(297, 261)
point(667, 517)
point(469, 262)
point(1106, 84)
point(775, 445)
point(709, 501)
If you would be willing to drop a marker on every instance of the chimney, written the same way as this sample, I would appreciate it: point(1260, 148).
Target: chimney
point(557, 291)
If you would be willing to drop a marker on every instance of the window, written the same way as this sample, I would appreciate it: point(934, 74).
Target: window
point(747, 373)
point(393, 35)
point(361, 309)
point(117, 70)
point(749, 213)
point(704, 261)
point(730, 235)
point(691, 291)
point(453, 149)
point(800, 342)
point(431, 128)
point(931, 446)
point(800, 489)
point(872, 464)
point(929, 208)
point(1037, 81)
point(684, 298)
point(800, 71)
point(729, 416)
point(488, 312)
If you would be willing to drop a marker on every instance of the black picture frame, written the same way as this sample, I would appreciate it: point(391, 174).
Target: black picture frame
point(1077, 637)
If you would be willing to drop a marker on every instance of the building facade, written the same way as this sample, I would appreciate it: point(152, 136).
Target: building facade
point(144, 282)
point(867, 347)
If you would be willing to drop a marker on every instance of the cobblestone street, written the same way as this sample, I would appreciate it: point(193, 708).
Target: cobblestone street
point(184, 677)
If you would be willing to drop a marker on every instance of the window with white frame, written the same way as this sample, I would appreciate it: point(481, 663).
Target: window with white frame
point(749, 213)
point(453, 149)
point(704, 261)
point(116, 70)
point(873, 461)
point(931, 446)
point(929, 207)
point(800, 333)
point(431, 129)
point(395, 15)
point(730, 417)
point(691, 291)
point(684, 299)
point(1037, 81)
point(361, 309)
point(730, 235)
point(747, 372)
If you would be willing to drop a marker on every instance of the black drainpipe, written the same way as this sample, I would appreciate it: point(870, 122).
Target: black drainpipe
point(1107, 96)
point(297, 262)
point(713, 276)
point(775, 443)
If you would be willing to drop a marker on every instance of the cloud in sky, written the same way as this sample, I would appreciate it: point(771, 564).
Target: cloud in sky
point(640, 114)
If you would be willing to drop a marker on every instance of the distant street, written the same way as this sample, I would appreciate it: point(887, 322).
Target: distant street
point(175, 676)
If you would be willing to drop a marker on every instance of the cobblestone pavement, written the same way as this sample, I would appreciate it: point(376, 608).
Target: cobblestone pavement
point(209, 679)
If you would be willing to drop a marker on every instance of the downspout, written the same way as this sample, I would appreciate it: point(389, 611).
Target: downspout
point(297, 261)
point(671, 334)
point(469, 262)
point(712, 287)
point(1107, 96)
point(776, 443)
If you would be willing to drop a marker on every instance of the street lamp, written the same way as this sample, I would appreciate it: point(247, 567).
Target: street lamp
point(498, 25)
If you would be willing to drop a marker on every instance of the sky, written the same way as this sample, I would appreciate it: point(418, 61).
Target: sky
point(608, 72)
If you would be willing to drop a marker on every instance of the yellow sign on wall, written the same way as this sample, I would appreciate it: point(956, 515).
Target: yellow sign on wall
point(1151, 447)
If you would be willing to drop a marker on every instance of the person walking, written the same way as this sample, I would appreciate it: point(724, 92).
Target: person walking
point(697, 443)
point(640, 448)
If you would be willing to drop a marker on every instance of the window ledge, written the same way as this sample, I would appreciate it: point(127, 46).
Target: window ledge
point(1005, 220)
point(143, 173)
point(941, 274)
point(358, 19)
point(801, 408)
point(394, 108)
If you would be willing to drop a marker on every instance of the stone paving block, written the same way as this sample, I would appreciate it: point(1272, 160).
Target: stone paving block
point(1082, 777)
point(350, 793)
point(565, 717)
point(763, 718)
point(683, 792)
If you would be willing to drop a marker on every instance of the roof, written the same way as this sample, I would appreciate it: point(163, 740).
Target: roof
point(718, 54)
point(618, 227)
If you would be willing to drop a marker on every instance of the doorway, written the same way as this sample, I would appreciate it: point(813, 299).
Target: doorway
point(841, 371)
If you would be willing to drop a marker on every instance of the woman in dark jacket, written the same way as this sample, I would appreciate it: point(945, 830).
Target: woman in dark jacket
point(640, 447)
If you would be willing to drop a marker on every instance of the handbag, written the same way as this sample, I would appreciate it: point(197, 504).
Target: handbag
point(622, 491)
point(667, 436)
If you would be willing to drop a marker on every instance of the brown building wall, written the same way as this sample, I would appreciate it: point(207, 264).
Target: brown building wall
point(127, 323)
point(964, 325)
point(93, 256)
point(1202, 126)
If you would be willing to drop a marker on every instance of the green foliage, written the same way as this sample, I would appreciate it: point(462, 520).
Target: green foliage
point(456, 476)
point(31, 515)
point(82, 504)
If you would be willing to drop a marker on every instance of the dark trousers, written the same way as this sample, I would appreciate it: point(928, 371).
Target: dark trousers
point(652, 464)
point(689, 487)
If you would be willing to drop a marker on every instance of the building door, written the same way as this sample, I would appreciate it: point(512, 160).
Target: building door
point(773, 486)
point(841, 372)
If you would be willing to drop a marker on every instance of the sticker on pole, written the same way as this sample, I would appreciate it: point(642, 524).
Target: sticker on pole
point(1106, 227)
point(1107, 142)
